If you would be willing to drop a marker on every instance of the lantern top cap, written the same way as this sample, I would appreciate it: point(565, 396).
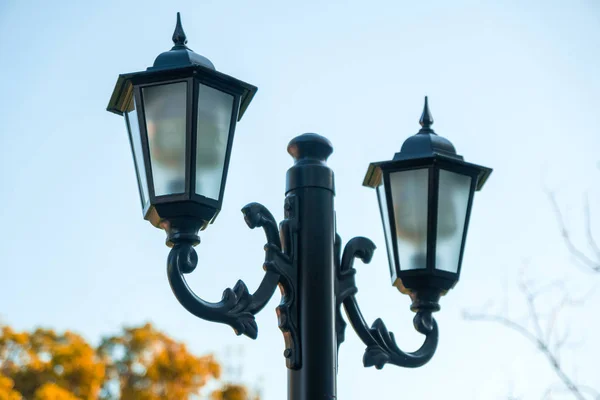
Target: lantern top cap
point(179, 62)
point(421, 150)
point(180, 55)
point(426, 142)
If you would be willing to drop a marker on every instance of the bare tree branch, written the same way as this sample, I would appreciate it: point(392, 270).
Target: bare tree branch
point(542, 339)
point(530, 297)
point(547, 394)
point(561, 342)
point(591, 391)
point(538, 342)
point(588, 228)
point(554, 316)
point(545, 336)
point(594, 265)
point(504, 321)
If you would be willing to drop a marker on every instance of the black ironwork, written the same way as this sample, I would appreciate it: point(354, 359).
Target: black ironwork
point(316, 279)
point(381, 345)
point(237, 306)
point(304, 257)
point(179, 37)
point(426, 119)
point(287, 311)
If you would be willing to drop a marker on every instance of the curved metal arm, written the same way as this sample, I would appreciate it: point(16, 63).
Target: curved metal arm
point(237, 306)
point(381, 345)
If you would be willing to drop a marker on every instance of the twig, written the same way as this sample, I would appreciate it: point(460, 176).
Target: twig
point(554, 316)
point(538, 342)
point(578, 254)
point(593, 392)
point(533, 315)
point(566, 300)
point(588, 228)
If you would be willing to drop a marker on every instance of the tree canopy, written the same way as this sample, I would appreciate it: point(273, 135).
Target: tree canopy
point(140, 363)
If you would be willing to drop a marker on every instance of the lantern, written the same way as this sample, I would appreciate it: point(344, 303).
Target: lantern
point(181, 115)
point(425, 197)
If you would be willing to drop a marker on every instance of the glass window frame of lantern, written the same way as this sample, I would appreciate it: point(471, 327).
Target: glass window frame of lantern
point(166, 206)
point(411, 278)
point(137, 151)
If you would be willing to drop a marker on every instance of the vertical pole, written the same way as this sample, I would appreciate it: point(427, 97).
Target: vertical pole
point(311, 181)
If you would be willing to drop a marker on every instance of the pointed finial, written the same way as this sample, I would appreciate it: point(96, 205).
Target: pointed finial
point(179, 38)
point(426, 119)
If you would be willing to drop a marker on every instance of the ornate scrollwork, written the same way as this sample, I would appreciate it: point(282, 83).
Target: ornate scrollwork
point(343, 288)
point(237, 306)
point(381, 345)
point(287, 311)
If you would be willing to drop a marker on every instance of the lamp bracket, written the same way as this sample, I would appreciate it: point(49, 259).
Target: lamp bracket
point(381, 345)
point(237, 306)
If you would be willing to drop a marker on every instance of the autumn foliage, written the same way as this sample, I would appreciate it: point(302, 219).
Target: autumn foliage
point(140, 363)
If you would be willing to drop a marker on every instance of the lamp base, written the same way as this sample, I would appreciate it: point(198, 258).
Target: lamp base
point(425, 300)
point(182, 230)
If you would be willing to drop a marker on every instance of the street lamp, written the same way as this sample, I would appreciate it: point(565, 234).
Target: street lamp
point(181, 116)
point(425, 197)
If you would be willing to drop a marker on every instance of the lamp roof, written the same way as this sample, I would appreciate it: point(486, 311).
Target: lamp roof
point(180, 55)
point(426, 142)
point(423, 148)
point(178, 62)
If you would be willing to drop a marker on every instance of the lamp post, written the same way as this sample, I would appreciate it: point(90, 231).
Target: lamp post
point(181, 115)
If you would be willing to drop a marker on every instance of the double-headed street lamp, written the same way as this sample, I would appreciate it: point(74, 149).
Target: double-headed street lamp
point(181, 115)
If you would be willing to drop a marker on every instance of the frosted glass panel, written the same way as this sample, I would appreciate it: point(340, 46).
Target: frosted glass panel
point(214, 119)
point(133, 127)
point(453, 200)
point(385, 218)
point(410, 191)
point(165, 108)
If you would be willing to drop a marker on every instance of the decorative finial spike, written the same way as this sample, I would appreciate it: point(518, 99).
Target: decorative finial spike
point(179, 38)
point(426, 119)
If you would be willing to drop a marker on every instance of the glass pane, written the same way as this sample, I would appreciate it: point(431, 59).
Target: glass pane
point(165, 108)
point(214, 119)
point(385, 218)
point(410, 191)
point(453, 200)
point(133, 127)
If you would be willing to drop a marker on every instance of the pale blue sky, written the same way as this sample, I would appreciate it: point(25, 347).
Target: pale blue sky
point(514, 85)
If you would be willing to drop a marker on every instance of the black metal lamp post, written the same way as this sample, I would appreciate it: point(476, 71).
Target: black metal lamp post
point(181, 116)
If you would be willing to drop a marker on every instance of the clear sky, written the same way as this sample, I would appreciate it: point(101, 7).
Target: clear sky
point(514, 85)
